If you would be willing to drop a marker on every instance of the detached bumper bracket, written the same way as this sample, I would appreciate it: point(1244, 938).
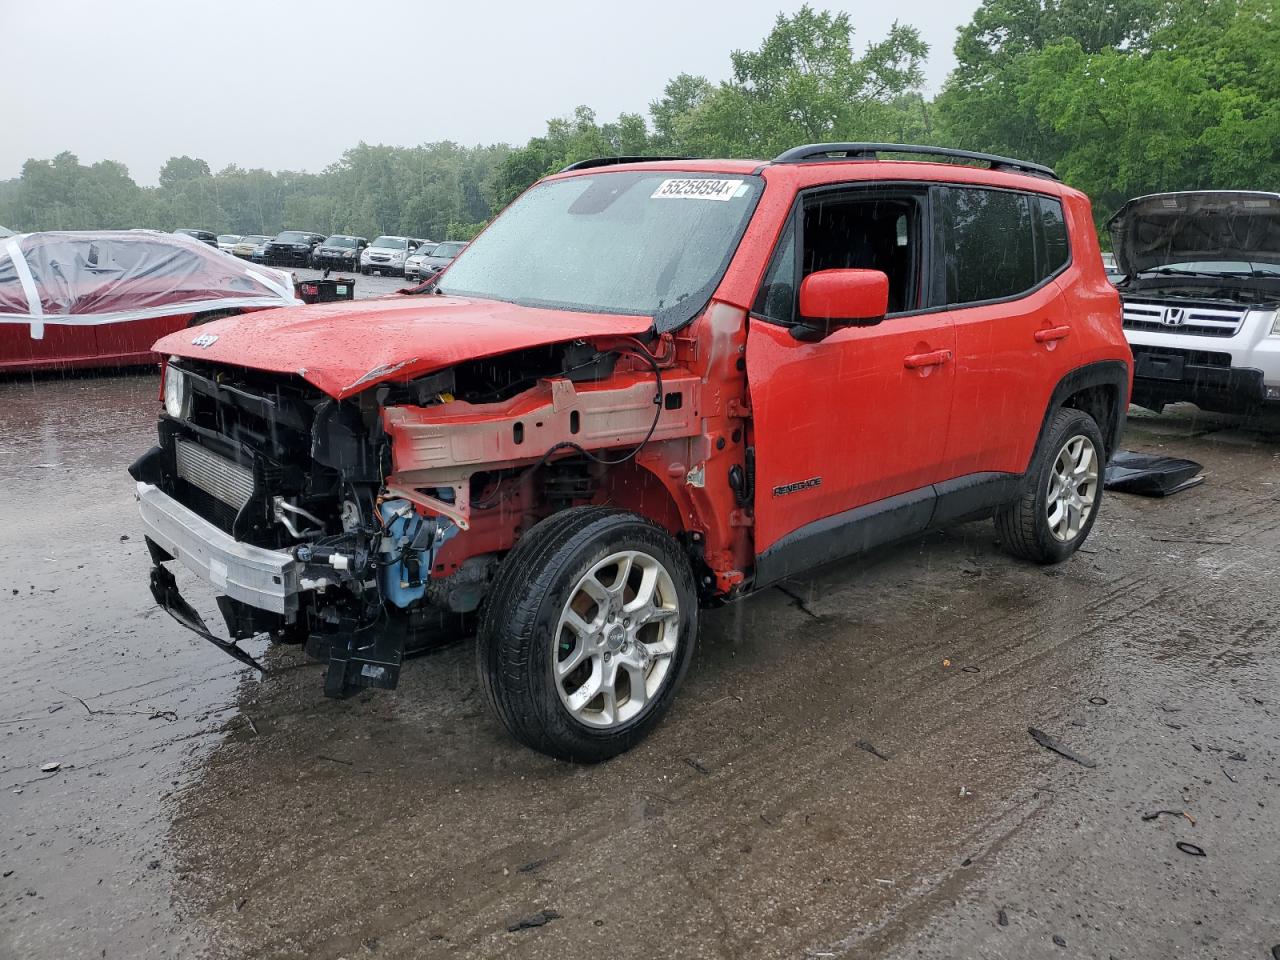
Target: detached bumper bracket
point(165, 590)
point(355, 664)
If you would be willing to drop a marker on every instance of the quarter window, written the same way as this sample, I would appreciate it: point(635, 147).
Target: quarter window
point(1053, 251)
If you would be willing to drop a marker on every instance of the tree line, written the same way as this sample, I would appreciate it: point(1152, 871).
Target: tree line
point(1122, 97)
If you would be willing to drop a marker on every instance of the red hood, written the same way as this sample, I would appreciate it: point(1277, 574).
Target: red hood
point(344, 348)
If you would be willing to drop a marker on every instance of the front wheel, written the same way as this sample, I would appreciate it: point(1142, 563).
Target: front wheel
point(588, 632)
point(1063, 491)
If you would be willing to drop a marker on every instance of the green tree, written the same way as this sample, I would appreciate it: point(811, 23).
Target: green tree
point(178, 170)
point(1192, 102)
point(805, 84)
point(682, 97)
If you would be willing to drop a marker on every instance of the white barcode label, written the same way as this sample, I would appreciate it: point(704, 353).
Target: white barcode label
point(689, 189)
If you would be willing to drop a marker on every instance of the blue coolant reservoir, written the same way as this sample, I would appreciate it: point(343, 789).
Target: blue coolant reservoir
point(407, 551)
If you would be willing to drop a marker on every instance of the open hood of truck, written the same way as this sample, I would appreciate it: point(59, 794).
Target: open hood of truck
point(1196, 226)
point(345, 348)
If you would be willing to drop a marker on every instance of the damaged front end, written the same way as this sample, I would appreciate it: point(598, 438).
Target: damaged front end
point(369, 525)
point(272, 492)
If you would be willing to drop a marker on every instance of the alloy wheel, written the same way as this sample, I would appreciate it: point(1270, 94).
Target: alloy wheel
point(1073, 488)
point(616, 639)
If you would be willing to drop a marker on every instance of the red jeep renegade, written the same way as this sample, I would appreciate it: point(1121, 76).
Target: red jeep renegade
point(648, 385)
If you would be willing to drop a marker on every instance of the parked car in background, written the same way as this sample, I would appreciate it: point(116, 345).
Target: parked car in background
point(585, 455)
point(1114, 273)
point(227, 241)
point(102, 298)
point(339, 252)
point(292, 248)
point(1201, 293)
point(387, 255)
point(440, 257)
point(204, 236)
point(248, 244)
point(260, 251)
point(413, 262)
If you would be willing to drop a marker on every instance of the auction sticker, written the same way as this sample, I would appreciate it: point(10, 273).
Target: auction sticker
point(689, 189)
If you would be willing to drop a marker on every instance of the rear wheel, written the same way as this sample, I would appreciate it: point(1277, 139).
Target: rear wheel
point(588, 633)
point(1063, 492)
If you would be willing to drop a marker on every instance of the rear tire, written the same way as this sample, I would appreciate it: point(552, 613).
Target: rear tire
point(588, 633)
point(1062, 492)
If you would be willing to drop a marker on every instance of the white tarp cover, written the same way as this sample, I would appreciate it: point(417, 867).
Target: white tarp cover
point(112, 276)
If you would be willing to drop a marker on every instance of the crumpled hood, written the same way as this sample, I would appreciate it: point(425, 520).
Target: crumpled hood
point(344, 348)
point(1208, 225)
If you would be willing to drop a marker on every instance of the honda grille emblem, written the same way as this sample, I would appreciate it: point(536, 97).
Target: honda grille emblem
point(1172, 316)
point(208, 340)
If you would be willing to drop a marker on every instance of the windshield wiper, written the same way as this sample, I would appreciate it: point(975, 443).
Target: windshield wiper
point(1170, 272)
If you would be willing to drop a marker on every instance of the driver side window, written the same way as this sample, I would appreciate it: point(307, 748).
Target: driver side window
point(848, 229)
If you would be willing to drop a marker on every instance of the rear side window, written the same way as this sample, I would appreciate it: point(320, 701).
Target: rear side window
point(991, 248)
point(1052, 251)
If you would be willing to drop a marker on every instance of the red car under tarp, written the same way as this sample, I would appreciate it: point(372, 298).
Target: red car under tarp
point(101, 299)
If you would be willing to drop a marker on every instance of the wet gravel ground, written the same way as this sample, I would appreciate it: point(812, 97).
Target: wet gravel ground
point(847, 771)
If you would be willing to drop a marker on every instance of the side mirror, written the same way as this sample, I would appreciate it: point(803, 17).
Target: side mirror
point(832, 299)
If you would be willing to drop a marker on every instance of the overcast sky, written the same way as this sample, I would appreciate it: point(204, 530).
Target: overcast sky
point(291, 85)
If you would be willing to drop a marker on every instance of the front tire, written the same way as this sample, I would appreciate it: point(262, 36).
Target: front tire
point(1063, 492)
point(588, 633)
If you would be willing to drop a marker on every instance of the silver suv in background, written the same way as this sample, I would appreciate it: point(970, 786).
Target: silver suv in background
point(387, 255)
point(1201, 290)
point(440, 258)
point(413, 264)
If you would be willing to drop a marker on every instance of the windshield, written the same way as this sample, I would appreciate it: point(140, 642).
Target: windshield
point(1218, 268)
point(347, 242)
point(228, 237)
point(390, 243)
point(292, 236)
point(256, 238)
point(623, 242)
point(448, 250)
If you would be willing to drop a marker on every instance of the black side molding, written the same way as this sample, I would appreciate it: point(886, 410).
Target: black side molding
point(845, 534)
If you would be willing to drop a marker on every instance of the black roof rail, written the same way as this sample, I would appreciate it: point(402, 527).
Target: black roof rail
point(611, 161)
point(818, 152)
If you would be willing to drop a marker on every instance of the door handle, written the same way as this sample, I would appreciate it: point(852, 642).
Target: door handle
point(917, 361)
point(1052, 333)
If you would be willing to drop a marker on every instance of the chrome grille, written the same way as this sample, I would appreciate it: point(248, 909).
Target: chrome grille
point(215, 475)
point(1173, 318)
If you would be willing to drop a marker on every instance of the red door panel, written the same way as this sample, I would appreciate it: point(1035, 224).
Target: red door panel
point(858, 417)
point(1009, 357)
